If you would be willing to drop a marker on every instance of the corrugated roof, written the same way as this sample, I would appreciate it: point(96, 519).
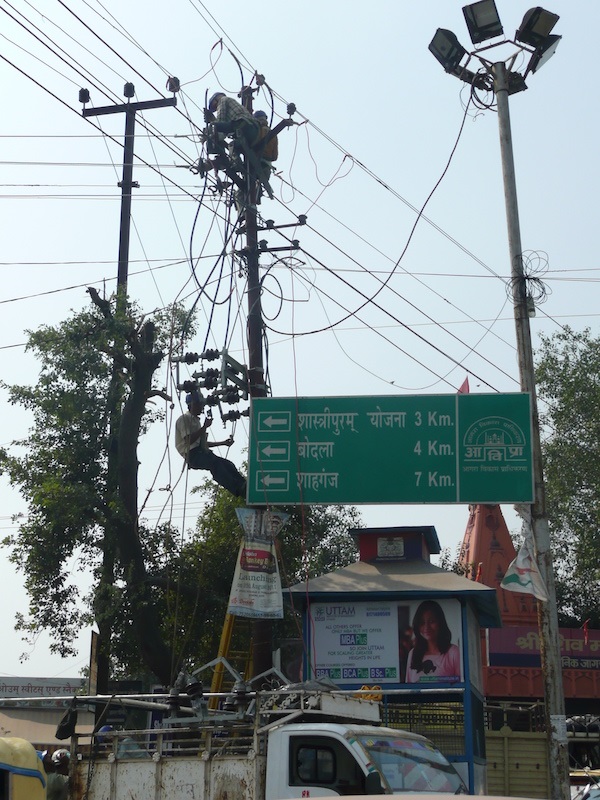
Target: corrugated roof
point(400, 580)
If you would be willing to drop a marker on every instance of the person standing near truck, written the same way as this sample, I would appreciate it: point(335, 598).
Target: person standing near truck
point(56, 766)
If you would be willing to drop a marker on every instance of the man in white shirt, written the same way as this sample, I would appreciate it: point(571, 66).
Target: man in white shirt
point(191, 441)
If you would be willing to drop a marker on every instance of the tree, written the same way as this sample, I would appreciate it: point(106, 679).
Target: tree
point(78, 473)
point(568, 379)
point(156, 600)
point(314, 541)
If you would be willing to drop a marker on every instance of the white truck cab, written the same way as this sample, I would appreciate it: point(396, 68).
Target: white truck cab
point(308, 760)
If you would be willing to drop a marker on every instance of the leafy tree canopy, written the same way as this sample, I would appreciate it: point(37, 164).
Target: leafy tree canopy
point(568, 380)
point(94, 367)
point(314, 541)
point(154, 592)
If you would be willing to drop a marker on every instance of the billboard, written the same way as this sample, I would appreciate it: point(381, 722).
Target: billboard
point(388, 642)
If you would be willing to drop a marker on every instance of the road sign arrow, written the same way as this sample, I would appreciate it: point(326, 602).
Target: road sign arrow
point(269, 451)
point(271, 480)
point(272, 422)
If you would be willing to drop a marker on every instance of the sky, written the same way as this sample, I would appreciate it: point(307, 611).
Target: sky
point(382, 132)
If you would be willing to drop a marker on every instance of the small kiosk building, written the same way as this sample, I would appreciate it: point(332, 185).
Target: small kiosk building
point(398, 625)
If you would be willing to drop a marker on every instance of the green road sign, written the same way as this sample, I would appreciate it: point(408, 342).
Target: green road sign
point(458, 448)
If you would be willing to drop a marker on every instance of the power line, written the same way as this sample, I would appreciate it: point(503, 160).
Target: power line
point(318, 130)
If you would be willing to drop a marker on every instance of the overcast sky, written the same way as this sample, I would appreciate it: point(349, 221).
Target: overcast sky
point(380, 121)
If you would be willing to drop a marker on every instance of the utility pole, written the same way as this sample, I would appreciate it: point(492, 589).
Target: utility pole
point(262, 629)
point(547, 612)
point(127, 183)
point(103, 608)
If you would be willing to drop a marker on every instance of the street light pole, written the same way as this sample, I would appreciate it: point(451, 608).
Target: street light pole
point(558, 760)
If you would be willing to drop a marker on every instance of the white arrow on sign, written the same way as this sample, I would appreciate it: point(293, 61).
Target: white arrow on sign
point(269, 450)
point(271, 480)
point(271, 422)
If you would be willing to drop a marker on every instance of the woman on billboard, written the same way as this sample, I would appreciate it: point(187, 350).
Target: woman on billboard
point(433, 657)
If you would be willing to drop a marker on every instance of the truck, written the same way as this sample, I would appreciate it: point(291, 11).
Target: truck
point(290, 742)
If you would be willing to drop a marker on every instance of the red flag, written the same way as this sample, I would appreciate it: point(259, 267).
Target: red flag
point(464, 387)
point(585, 631)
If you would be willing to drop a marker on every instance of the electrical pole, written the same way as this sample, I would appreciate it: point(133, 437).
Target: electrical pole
point(547, 611)
point(127, 183)
point(262, 629)
point(114, 404)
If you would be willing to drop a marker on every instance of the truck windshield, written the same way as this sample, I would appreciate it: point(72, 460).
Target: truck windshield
point(412, 765)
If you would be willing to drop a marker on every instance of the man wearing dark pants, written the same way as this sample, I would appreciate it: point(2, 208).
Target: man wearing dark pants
point(191, 441)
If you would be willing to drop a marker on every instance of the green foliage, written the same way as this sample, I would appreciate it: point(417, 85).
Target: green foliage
point(87, 372)
point(150, 586)
point(61, 472)
point(313, 542)
point(568, 379)
point(452, 562)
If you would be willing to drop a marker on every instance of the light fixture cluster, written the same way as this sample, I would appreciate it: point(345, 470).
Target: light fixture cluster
point(483, 22)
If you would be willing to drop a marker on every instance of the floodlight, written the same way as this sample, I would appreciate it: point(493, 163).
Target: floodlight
point(535, 27)
point(543, 52)
point(483, 21)
point(447, 49)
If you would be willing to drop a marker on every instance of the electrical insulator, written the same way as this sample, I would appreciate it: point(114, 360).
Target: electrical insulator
point(210, 383)
point(212, 400)
point(129, 90)
point(211, 373)
point(301, 219)
point(173, 85)
point(231, 416)
point(189, 386)
point(84, 96)
point(230, 396)
point(291, 108)
point(187, 358)
point(263, 244)
point(210, 355)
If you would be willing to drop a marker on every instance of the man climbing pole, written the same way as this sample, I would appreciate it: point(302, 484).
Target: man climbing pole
point(191, 441)
point(252, 147)
point(230, 117)
point(266, 146)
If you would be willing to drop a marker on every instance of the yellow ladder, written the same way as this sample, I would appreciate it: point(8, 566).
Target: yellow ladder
point(239, 660)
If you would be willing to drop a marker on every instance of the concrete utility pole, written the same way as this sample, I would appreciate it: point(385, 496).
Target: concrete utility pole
point(547, 612)
point(127, 183)
point(262, 629)
point(114, 398)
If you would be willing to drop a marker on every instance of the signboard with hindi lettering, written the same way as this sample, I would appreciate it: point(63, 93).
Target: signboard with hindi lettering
point(458, 448)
